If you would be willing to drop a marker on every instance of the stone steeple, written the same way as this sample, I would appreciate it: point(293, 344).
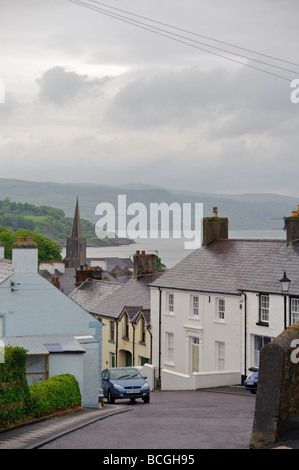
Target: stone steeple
point(76, 244)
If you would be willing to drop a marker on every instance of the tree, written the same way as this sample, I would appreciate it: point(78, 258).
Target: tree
point(48, 250)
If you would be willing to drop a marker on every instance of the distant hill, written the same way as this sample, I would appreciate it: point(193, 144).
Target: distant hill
point(245, 211)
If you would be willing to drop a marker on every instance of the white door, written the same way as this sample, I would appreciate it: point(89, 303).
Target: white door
point(194, 354)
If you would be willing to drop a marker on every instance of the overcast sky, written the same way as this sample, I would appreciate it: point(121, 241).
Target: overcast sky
point(90, 98)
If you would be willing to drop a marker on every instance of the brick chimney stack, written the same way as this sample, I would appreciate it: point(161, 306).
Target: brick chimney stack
point(83, 273)
point(214, 228)
point(292, 227)
point(144, 264)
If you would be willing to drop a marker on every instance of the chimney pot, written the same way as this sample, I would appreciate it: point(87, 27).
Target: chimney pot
point(215, 211)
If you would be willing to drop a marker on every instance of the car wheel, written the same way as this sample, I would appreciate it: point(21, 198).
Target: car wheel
point(110, 399)
point(253, 391)
point(132, 400)
point(146, 399)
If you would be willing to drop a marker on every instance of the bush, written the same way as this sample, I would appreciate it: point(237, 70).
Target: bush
point(14, 390)
point(58, 393)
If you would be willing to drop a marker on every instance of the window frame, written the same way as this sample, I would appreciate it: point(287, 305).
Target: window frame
point(263, 319)
point(142, 330)
point(294, 315)
point(220, 355)
point(170, 304)
point(220, 313)
point(112, 331)
point(263, 340)
point(193, 307)
point(169, 343)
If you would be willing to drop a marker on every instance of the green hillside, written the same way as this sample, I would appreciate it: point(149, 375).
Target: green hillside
point(43, 220)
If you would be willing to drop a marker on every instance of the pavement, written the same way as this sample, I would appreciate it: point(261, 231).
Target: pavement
point(37, 433)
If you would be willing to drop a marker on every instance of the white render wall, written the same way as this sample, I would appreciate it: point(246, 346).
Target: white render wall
point(276, 321)
point(206, 329)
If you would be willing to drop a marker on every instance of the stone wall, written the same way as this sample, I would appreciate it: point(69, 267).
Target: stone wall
point(277, 400)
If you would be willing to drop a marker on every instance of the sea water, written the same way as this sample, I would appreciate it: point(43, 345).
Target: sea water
point(171, 250)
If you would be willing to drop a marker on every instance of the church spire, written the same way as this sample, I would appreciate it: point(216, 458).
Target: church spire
point(76, 232)
point(76, 244)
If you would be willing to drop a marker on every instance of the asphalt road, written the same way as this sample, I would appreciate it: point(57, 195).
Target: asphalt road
point(172, 420)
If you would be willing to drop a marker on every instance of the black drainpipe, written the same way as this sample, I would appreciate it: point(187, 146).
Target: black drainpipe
point(245, 338)
point(151, 343)
point(133, 344)
point(116, 343)
point(159, 370)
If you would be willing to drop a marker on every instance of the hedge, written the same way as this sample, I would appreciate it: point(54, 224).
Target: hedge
point(20, 403)
point(58, 393)
point(14, 390)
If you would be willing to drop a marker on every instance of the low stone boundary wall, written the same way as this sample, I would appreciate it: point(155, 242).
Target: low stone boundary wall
point(176, 381)
point(277, 399)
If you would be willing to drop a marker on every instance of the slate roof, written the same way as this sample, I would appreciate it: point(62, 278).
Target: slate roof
point(6, 269)
point(108, 298)
point(67, 279)
point(225, 266)
point(134, 313)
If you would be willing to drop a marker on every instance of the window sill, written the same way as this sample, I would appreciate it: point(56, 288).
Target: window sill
point(126, 338)
point(142, 343)
point(262, 323)
point(111, 341)
point(220, 322)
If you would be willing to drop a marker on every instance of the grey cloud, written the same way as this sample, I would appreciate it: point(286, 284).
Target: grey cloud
point(58, 86)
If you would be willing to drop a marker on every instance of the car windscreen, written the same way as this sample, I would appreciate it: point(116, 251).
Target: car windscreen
point(125, 374)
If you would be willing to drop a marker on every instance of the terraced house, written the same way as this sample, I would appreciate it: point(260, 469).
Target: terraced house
point(123, 308)
point(214, 311)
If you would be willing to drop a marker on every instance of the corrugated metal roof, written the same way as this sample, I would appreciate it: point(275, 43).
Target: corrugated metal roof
point(44, 344)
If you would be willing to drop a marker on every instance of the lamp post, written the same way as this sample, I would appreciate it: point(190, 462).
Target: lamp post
point(285, 286)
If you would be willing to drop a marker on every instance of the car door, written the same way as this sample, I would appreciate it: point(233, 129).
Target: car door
point(105, 382)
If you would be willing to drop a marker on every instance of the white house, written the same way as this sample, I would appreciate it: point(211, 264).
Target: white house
point(30, 307)
point(213, 311)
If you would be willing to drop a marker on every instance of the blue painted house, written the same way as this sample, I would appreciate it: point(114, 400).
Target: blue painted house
point(30, 306)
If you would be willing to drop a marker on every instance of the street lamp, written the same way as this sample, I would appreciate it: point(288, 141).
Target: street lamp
point(285, 286)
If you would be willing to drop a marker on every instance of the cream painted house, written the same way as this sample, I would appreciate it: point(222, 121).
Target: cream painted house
point(124, 311)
